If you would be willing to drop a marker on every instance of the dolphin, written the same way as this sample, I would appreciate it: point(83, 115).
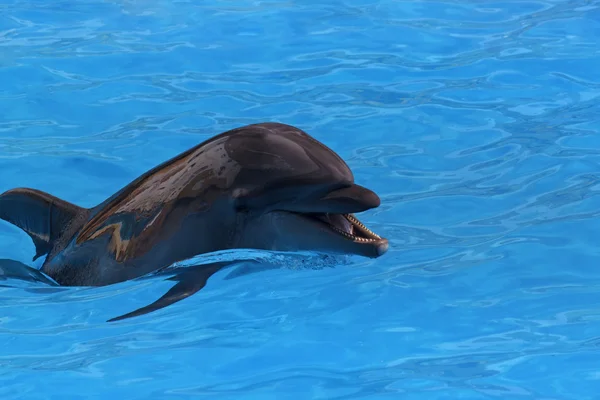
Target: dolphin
point(267, 186)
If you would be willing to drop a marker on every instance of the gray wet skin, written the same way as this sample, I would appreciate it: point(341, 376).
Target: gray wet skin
point(265, 186)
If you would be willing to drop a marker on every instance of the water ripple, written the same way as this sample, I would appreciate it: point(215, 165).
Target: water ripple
point(476, 122)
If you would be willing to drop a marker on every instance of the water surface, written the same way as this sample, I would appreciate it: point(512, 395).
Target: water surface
point(476, 122)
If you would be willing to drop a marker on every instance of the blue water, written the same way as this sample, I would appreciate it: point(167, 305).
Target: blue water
point(477, 122)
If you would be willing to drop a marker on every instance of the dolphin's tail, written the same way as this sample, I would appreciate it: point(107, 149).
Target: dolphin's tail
point(40, 214)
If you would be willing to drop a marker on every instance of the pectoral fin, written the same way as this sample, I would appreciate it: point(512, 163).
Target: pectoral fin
point(189, 281)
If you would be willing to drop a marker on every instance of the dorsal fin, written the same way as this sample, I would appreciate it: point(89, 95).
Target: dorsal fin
point(38, 213)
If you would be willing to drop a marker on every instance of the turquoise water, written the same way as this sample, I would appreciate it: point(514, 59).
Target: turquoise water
point(477, 122)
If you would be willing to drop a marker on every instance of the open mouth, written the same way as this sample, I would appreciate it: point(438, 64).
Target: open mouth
point(348, 226)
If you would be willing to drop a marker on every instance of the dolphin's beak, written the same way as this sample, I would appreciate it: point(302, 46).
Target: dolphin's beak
point(351, 234)
point(355, 198)
point(345, 200)
point(321, 218)
point(334, 213)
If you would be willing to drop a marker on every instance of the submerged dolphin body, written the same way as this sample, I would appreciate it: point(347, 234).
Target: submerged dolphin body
point(265, 186)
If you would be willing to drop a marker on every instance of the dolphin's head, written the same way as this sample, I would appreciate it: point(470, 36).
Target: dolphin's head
point(295, 194)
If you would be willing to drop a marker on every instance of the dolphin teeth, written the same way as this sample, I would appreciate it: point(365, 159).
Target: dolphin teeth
point(362, 227)
point(348, 226)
